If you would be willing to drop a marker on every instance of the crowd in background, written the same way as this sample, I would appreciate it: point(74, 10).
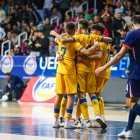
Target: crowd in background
point(34, 16)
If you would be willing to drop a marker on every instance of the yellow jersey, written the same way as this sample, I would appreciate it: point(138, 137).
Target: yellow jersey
point(105, 48)
point(86, 40)
point(68, 52)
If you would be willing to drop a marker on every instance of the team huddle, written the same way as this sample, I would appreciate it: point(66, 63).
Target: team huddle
point(79, 54)
point(83, 68)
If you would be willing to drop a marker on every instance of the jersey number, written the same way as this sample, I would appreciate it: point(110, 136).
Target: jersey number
point(64, 52)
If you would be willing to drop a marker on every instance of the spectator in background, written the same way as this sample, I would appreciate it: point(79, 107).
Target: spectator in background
point(2, 16)
point(34, 51)
point(42, 44)
point(56, 13)
point(47, 27)
point(14, 38)
point(120, 40)
point(17, 50)
point(14, 84)
point(118, 24)
point(53, 48)
point(77, 7)
point(2, 33)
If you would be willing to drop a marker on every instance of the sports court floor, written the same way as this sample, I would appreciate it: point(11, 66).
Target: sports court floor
point(25, 121)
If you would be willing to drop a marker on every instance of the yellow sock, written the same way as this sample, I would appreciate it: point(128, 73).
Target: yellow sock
point(102, 106)
point(69, 114)
point(95, 104)
point(63, 105)
point(78, 109)
point(56, 113)
point(84, 108)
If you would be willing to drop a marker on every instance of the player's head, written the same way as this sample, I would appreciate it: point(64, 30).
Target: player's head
point(136, 19)
point(7, 76)
point(97, 29)
point(70, 28)
point(83, 25)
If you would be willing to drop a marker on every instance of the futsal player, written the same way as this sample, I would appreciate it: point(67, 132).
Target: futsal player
point(132, 43)
point(66, 81)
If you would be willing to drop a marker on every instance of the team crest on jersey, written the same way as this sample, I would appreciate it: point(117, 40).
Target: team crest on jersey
point(30, 65)
point(6, 64)
point(44, 89)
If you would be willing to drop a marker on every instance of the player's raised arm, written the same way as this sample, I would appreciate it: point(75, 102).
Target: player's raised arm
point(60, 37)
point(91, 50)
point(113, 61)
point(96, 56)
point(106, 39)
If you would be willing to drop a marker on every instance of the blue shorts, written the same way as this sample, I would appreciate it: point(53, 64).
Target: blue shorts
point(133, 88)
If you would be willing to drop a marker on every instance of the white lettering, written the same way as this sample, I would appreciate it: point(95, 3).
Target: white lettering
point(43, 64)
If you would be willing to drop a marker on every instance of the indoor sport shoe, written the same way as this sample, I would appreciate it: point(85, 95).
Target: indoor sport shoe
point(78, 123)
point(86, 124)
point(56, 124)
point(100, 121)
point(96, 125)
point(69, 125)
point(61, 122)
point(126, 134)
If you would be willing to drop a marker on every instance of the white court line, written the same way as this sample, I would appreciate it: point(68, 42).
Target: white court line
point(27, 137)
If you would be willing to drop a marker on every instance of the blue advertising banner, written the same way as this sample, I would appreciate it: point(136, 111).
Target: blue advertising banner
point(27, 66)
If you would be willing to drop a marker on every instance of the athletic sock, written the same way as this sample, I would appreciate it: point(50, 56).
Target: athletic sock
point(69, 113)
point(78, 109)
point(102, 107)
point(136, 109)
point(56, 113)
point(131, 119)
point(95, 104)
point(84, 108)
point(63, 105)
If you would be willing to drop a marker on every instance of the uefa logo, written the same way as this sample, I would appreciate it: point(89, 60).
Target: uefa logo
point(30, 65)
point(6, 64)
point(44, 89)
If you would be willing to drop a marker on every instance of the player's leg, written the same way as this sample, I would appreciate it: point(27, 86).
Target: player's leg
point(77, 121)
point(81, 77)
point(134, 94)
point(71, 90)
point(91, 89)
point(60, 89)
point(62, 110)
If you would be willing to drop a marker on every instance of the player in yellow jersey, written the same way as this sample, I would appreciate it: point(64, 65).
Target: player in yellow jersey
point(85, 72)
point(66, 81)
point(102, 57)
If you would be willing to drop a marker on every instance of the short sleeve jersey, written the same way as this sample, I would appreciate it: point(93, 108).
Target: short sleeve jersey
point(105, 48)
point(132, 41)
point(68, 52)
point(86, 40)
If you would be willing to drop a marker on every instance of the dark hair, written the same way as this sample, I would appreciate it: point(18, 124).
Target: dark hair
point(98, 27)
point(70, 26)
point(136, 19)
point(83, 23)
point(8, 74)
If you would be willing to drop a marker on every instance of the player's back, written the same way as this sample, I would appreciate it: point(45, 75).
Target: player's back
point(105, 48)
point(133, 41)
point(68, 52)
point(86, 40)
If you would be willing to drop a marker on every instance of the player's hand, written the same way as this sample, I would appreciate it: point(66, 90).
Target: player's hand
point(79, 59)
point(58, 56)
point(99, 70)
point(52, 33)
point(96, 42)
point(127, 71)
